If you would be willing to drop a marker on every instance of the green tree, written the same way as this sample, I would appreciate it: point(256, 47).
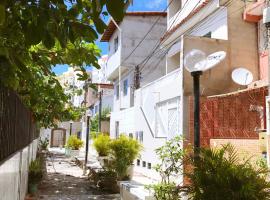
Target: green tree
point(37, 35)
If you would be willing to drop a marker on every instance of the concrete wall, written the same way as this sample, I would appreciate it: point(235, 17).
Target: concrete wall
point(14, 173)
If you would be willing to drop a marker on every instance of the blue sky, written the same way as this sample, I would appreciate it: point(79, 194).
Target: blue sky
point(138, 5)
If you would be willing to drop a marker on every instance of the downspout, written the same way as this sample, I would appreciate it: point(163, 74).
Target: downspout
point(119, 69)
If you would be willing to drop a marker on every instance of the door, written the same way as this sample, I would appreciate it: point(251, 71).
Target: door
point(58, 138)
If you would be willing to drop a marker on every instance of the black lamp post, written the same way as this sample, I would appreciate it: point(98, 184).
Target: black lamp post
point(196, 63)
point(196, 109)
point(87, 142)
point(70, 127)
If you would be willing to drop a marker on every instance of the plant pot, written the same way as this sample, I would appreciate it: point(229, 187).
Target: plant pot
point(30, 197)
point(32, 188)
point(67, 151)
point(130, 171)
point(74, 153)
point(103, 160)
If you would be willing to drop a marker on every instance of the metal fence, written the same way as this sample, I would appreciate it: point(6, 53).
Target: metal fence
point(17, 127)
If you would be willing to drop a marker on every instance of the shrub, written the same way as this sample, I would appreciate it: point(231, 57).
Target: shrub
point(35, 171)
point(74, 143)
point(220, 175)
point(171, 157)
point(124, 151)
point(102, 144)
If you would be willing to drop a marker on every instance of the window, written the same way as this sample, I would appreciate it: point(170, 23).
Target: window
point(116, 129)
point(138, 162)
point(149, 165)
point(209, 34)
point(139, 136)
point(117, 91)
point(115, 44)
point(144, 164)
point(125, 87)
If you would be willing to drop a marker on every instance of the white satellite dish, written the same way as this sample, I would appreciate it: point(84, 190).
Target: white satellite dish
point(242, 76)
point(213, 59)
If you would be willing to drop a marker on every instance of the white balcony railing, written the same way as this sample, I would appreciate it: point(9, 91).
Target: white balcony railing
point(113, 63)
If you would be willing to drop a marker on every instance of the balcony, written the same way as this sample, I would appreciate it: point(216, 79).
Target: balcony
point(192, 13)
point(113, 63)
point(254, 11)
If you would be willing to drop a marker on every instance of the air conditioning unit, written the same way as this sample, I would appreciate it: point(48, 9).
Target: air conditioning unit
point(266, 15)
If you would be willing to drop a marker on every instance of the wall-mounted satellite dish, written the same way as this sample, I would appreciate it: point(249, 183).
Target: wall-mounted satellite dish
point(242, 76)
point(213, 59)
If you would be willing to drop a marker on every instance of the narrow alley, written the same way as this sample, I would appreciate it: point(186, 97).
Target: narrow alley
point(65, 181)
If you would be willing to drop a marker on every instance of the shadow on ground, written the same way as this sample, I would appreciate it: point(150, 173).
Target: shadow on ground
point(65, 181)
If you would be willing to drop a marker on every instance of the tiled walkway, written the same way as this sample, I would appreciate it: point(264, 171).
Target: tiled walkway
point(65, 181)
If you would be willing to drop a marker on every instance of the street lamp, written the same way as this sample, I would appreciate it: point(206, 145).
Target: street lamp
point(196, 62)
point(70, 127)
point(88, 117)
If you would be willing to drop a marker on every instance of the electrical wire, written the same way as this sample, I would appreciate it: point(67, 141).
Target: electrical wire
point(227, 4)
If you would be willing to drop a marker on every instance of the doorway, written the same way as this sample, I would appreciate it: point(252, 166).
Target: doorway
point(58, 137)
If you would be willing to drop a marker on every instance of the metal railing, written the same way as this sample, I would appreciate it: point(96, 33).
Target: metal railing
point(17, 126)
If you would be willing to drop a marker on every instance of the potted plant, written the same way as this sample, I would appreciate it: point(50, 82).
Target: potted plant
point(124, 151)
point(35, 175)
point(102, 146)
point(73, 146)
point(43, 144)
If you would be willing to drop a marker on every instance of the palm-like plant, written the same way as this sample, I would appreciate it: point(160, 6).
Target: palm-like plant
point(220, 175)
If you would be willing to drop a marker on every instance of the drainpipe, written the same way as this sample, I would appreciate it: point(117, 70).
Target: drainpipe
point(119, 69)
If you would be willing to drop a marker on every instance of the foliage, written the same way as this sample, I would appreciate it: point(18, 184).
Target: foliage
point(35, 171)
point(219, 174)
point(124, 151)
point(44, 144)
point(171, 157)
point(94, 134)
point(37, 35)
point(165, 191)
point(102, 144)
point(74, 143)
point(104, 117)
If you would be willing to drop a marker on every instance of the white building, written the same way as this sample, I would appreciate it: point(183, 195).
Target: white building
point(160, 108)
point(73, 86)
point(129, 116)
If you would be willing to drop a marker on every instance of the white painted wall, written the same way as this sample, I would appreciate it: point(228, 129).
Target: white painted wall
point(216, 23)
point(147, 99)
point(14, 173)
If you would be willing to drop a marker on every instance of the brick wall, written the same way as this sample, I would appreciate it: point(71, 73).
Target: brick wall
point(232, 116)
point(246, 148)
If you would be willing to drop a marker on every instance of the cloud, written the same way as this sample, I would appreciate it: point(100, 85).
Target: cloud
point(156, 4)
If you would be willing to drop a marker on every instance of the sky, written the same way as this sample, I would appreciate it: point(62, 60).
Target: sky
point(138, 5)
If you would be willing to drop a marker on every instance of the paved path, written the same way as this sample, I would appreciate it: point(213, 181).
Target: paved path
point(66, 182)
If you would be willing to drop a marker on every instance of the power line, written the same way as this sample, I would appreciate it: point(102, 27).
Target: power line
point(228, 3)
point(159, 42)
point(151, 28)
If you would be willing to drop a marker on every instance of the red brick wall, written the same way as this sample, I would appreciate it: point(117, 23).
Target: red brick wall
point(232, 116)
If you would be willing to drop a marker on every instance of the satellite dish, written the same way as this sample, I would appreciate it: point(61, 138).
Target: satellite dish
point(213, 59)
point(242, 76)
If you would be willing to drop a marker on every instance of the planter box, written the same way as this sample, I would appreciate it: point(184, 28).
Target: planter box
point(130, 171)
point(103, 160)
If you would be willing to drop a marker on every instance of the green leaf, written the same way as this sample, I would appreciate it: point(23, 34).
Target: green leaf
point(116, 9)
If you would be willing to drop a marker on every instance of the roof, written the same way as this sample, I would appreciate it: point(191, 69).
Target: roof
point(106, 36)
point(189, 16)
